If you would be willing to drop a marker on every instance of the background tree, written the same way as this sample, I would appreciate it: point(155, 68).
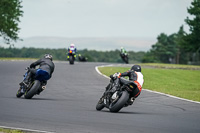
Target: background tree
point(193, 38)
point(179, 48)
point(163, 51)
point(182, 56)
point(60, 54)
point(169, 49)
point(10, 12)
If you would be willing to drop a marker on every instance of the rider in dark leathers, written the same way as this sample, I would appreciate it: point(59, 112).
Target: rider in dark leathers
point(134, 75)
point(44, 72)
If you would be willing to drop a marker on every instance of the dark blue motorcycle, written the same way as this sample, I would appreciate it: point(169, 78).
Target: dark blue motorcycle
point(35, 86)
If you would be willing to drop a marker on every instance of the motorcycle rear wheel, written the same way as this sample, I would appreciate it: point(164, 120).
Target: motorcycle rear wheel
point(119, 104)
point(33, 90)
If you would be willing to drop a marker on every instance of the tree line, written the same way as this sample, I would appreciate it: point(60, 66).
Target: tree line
point(180, 47)
point(61, 54)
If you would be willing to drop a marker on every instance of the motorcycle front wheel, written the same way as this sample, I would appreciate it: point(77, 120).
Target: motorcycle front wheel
point(126, 60)
point(100, 105)
point(116, 106)
point(71, 60)
point(19, 93)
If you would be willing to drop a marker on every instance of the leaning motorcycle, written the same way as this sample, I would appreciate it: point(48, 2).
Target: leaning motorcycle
point(33, 87)
point(124, 57)
point(71, 56)
point(82, 58)
point(117, 95)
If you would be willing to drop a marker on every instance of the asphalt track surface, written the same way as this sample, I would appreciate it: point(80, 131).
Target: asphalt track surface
point(68, 105)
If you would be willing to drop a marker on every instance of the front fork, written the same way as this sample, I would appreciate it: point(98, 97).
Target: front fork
point(72, 55)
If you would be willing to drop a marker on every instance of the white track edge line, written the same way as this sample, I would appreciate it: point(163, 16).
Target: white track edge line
point(24, 129)
point(147, 89)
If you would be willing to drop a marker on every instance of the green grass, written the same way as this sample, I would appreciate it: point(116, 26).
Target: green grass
point(2, 130)
point(177, 82)
point(170, 66)
point(13, 58)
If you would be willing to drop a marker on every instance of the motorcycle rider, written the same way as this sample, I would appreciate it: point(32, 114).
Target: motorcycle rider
point(43, 73)
point(134, 75)
point(73, 49)
point(123, 51)
point(82, 58)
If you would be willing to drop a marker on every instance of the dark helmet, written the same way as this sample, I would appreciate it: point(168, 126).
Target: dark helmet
point(136, 68)
point(48, 56)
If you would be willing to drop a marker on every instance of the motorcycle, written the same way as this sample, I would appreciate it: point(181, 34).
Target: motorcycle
point(117, 95)
point(71, 56)
point(33, 87)
point(82, 58)
point(124, 57)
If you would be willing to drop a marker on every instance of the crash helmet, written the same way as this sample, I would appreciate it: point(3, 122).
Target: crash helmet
point(72, 45)
point(48, 56)
point(136, 68)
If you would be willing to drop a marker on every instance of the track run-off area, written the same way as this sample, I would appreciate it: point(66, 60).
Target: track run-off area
point(68, 105)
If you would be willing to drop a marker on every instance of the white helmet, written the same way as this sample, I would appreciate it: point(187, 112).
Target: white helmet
point(72, 45)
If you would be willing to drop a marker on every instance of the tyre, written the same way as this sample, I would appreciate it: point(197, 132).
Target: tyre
point(71, 60)
point(33, 90)
point(126, 60)
point(119, 104)
point(100, 105)
point(19, 93)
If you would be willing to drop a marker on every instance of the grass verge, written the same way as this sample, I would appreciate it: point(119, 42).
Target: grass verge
point(2, 130)
point(170, 66)
point(10, 59)
point(178, 82)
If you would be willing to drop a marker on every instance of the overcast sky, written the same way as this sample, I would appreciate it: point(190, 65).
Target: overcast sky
point(102, 18)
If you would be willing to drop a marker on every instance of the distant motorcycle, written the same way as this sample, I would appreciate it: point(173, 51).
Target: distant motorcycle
point(124, 57)
point(117, 96)
point(82, 58)
point(34, 87)
point(71, 56)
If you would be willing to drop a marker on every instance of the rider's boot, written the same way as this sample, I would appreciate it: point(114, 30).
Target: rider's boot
point(131, 100)
point(43, 87)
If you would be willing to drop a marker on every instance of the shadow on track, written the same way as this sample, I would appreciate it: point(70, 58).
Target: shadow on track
point(127, 112)
point(35, 98)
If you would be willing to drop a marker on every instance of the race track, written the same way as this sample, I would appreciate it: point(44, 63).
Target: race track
point(68, 105)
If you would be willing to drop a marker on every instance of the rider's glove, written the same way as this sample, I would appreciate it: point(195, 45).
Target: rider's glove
point(117, 75)
point(32, 66)
point(111, 76)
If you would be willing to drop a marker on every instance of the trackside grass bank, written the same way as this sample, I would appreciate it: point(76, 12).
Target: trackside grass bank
point(10, 59)
point(2, 130)
point(170, 66)
point(178, 82)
